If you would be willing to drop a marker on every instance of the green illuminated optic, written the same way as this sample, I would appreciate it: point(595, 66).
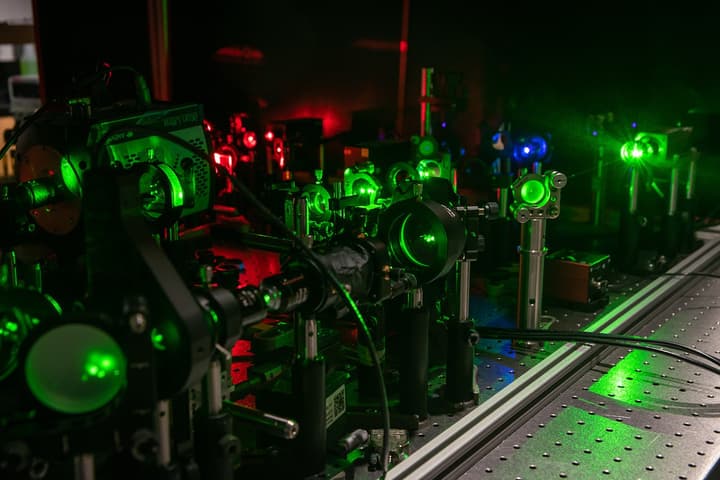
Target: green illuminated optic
point(364, 187)
point(428, 238)
point(429, 169)
point(319, 205)
point(633, 152)
point(99, 365)
point(405, 246)
point(156, 186)
point(75, 369)
point(70, 177)
point(426, 147)
point(158, 340)
point(267, 298)
point(213, 316)
point(54, 303)
point(15, 324)
point(534, 192)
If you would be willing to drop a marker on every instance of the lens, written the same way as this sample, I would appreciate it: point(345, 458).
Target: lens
point(429, 169)
point(534, 192)
point(427, 147)
point(633, 152)
point(318, 200)
point(14, 327)
point(421, 241)
point(75, 368)
point(423, 237)
point(160, 191)
point(400, 173)
point(530, 149)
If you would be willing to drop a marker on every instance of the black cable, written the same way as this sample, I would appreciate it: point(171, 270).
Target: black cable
point(141, 89)
point(598, 337)
point(605, 339)
point(298, 243)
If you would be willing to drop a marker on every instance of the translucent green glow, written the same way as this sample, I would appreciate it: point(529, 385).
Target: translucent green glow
point(70, 177)
point(405, 244)
point(426, 147)
point(422, 240)
point(161, 190)
point(429, 169)
point(628, 382)
point(15, 325)
point(54, 303)
point(100, 365)
point(589, 445)
point(158, 339)
point(365, 186)
point(75, 369)
point(318, 205)
point(213, 316)
point(534, 192)
point(633, 152)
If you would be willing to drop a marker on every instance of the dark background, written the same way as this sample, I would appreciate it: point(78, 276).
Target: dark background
point(546, 66)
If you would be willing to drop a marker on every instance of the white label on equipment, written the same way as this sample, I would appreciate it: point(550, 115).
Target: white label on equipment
point(334, 406)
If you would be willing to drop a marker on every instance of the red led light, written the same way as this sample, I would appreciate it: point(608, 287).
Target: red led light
point(236, 123)
point(269, 136)
point(250, 140)
point(226, 157)
point(403, 46)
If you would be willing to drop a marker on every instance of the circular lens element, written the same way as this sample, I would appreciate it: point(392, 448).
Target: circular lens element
point(362, 185)
point(633, 152)
point(427, 147)
point(318, 200)
point(249, 140)
point(530, 149)
point(161, 191)
point(425, 238)
point(75, 368)
point(534, 192)
point(400, 173)
point(420, 240)
point(429, 169)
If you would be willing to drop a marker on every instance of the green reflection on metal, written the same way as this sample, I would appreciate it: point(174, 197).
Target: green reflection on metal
point(158, 340)
point(634, 152)
point(70, 177)
point(627, 382)
point(583, 445)
point(157, 185)
point(54, 304)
